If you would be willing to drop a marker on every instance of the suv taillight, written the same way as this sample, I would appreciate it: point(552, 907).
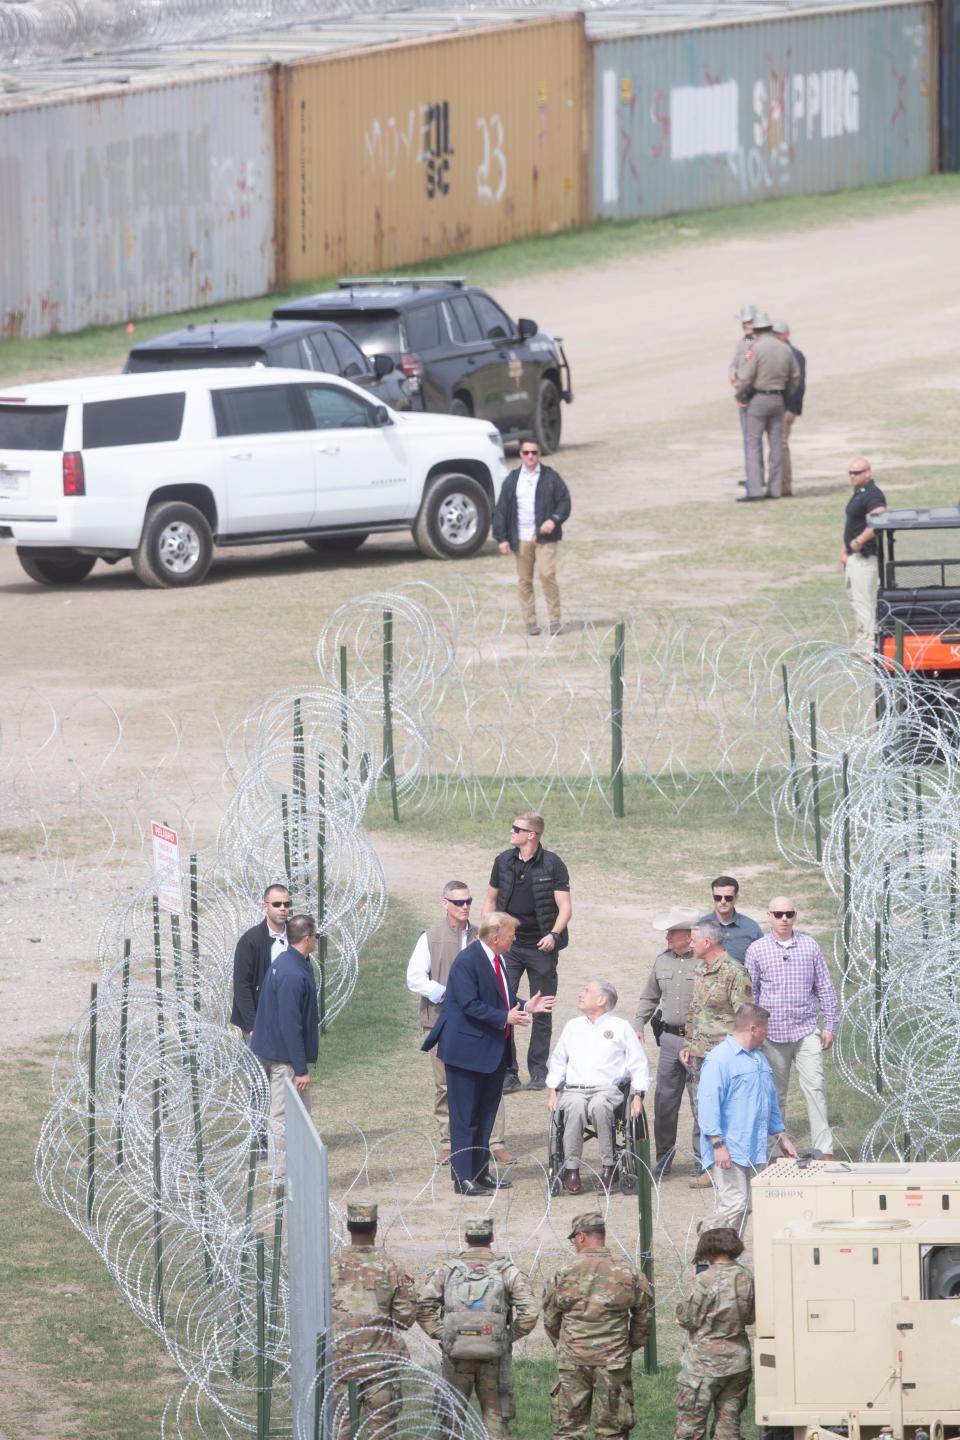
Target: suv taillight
point(412, 366)
point(73, 481)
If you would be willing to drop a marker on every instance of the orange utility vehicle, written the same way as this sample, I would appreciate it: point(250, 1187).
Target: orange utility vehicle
point(918, 552)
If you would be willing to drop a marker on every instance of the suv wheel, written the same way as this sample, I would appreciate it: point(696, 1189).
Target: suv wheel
point(337, 544)
point(459, 406)
point(64, 567)
point(454, 518)
point(547, 419)
point(176, 547)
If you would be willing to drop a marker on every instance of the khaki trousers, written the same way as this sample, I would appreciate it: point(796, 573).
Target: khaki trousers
point(579, 1108)
point(731, 1190)
point(498, 1136)
point(789, 420)
point(808, 1055)
point(277, 1072)
point(860, 578)
point(765, 417)
point(542, 558)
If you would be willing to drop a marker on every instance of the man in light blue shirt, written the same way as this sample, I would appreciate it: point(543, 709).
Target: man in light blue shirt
point(738, 1110)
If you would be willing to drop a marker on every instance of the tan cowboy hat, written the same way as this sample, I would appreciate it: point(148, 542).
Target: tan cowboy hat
point(680, 917)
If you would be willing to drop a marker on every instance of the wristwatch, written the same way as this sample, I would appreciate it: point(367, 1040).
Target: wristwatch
point(718, 1144)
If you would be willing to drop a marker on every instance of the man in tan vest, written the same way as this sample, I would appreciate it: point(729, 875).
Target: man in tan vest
point(427, 972)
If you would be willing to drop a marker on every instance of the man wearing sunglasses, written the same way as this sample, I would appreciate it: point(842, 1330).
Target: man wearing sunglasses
point(858, 553)
point(428, 971)
point(738, 931)
point(791, 980)
point(256, 949)
point(532, 886)
point(533, 505)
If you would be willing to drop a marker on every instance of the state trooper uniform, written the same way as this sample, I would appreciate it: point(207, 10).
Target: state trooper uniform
point(669, 989)
point(766, 375)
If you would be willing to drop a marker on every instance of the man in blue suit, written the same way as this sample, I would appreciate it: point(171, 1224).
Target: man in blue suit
point(472, 1035)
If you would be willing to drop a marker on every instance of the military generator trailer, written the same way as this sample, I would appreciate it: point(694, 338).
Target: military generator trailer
point(858, 1300)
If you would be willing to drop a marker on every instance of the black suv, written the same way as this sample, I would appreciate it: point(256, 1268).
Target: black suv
point(292, 344)
point(467, 355)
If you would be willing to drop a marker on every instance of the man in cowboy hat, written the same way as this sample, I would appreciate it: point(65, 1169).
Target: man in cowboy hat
point(745, 315)
point(668, 994)
point(767, 376)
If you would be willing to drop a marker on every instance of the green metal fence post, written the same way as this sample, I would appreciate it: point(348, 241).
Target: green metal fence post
point(158, 980)
point(195, 930)
point(261, 1345)
point(616, 720)
point(320, 1391)
point(353, 1403)
point(791, 739)
point(92, 1100)
point(815, 783)
point(389, 758)
point(122, 1063)
point(244, 1258)
point(845, 782)
point(285, 824)
point(878, 1005)
point(157, 1195)
point(344, 729)
point(645, 1203)
point(274, 1300)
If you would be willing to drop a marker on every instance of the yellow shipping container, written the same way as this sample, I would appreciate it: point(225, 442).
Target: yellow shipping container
point(390, 156)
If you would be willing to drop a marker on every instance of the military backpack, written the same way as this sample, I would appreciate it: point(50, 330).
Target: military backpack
point(476, 1311)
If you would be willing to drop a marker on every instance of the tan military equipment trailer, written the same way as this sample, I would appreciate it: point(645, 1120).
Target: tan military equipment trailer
point(858, 1300)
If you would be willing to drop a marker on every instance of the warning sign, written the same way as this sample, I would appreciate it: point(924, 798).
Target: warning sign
point(166, 868)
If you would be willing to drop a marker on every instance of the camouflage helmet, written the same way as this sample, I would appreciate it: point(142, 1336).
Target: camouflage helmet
point(362, 1214)
point(591, 1222)
point(480, 1228)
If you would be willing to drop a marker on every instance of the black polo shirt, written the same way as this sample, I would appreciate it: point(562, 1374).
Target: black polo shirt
point(861, 502)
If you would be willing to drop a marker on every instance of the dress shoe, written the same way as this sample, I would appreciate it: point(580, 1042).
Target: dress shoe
point(557, 628)
point(468, 1187)
point(503, 1157)
point(487, 1182)
point(662, 1169)
point(701, 1181)
point(511, 1082)
point(533, 630)
point(571, 1182)
point(536, 1082)
point(749, 499)
point(606, 1177)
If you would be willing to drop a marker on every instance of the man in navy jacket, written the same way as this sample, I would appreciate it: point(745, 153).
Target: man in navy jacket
point(472, 1035)
point(533, 505)
point(286, 1031)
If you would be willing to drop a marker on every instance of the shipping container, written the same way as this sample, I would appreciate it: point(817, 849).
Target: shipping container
point(136, 201)
point(950, 84)
point(728, 114)
point(395, 155)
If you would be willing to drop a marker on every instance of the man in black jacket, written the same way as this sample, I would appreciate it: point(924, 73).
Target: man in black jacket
point(532, 886)
point(255, 950)
point(533, 505)
point(286, 1032)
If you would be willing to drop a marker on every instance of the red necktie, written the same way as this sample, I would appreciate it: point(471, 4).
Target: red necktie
point(503, 985)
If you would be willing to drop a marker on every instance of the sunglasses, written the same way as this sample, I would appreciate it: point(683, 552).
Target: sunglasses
point(856, 472)
point(281, 904)
point(529, 452)
point(521, 830)
point(731, 898)
point(783, 914)
point(459, 902)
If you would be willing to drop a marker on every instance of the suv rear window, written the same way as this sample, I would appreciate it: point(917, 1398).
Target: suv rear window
point(141, 361)
point(32, 427)
point(138, 420)
point(377, 332)
point(423, 327)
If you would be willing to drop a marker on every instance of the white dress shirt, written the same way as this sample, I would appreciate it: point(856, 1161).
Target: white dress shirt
point(502, 981)
point(598, 1052)
point(527, 503)
point(418, 970)
point(278, 942)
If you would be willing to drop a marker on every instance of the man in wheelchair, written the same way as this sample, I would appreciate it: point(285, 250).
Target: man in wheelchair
point(598, 1061)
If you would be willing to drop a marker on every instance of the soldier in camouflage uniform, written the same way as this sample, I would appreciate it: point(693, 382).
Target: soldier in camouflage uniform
point(715, 1310)
point(491, 1379)
point(720, 986)
point(373, 1300)
point(596, 1312)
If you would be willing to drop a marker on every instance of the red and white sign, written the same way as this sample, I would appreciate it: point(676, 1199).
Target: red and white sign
point(166, 868)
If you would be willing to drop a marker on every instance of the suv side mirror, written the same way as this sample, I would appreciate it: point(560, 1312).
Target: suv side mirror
point(526, 329)
point(382, 416)
point(382, 365)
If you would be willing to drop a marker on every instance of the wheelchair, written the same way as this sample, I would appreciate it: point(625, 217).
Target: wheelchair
point(628, 1131)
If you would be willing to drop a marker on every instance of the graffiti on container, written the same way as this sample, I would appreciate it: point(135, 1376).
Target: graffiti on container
point(492, 170)
point(627, 120)
point(899, 78)
point(436, 149)
point(389, 143)
point(663, 121)
point(756, 169)
point(802, 108)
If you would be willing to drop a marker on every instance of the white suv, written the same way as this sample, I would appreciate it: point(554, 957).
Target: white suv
point(162, 467)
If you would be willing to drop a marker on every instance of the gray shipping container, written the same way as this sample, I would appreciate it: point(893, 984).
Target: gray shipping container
point(136, 201)
point(729, 114)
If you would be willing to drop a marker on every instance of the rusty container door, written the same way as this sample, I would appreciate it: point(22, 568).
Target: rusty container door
point(141, 201)
point(728, 114)
point(950, 84)
point(393, 155)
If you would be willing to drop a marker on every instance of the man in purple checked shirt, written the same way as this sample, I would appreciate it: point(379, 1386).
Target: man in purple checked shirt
point(790, 979)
